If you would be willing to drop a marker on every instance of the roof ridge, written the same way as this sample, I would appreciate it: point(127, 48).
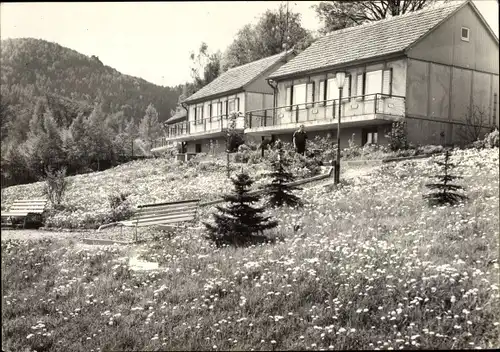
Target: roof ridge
point(262, 59)
point(431, 7)
point(239, 76)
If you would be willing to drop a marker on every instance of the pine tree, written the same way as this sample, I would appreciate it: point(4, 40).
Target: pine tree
point(52, 151)
point(130, 136)
point(239, 224)
point(150, 127)
point(446, 193)
point(99, 136)
point(79, 151)
point(279, 191)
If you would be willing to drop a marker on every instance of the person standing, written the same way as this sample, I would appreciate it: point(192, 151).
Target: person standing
point(299, 140)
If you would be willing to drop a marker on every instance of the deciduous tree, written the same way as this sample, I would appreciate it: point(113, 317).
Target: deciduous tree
point(336, 15)
point(276, 31)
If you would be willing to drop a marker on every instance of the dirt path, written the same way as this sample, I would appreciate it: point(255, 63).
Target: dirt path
point(39, 234)
point(33, 235)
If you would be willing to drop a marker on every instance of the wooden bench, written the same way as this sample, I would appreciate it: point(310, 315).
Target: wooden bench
point(21, 208)
point(161, 214)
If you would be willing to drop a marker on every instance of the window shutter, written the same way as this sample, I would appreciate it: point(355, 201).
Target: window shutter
point(220, 108)
point(237, 104)
point(288, 97)
point(359, 86)
point(387, 82)
point(226, 107)
point(195, 113)
point(210, 109)
point(322, 92)
point(310, 94)
point(349, 84)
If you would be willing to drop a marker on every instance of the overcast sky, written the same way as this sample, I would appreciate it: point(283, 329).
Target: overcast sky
point(152, 40)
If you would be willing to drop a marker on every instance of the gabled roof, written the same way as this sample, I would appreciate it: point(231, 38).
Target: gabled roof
point(237, 77)
point(180, 115)
point(374, 39)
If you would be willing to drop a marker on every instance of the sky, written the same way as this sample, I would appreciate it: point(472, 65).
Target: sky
point(152, 40)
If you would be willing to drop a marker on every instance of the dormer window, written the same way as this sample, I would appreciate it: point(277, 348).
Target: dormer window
point(465, 34)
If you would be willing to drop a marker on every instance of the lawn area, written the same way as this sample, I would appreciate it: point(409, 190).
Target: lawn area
point(370, 267)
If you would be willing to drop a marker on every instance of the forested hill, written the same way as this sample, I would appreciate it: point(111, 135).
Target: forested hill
point(32, 68)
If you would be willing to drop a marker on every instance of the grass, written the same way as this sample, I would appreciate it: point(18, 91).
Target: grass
point(371, 267)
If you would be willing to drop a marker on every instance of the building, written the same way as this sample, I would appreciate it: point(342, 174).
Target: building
point(170, 126)
point(426, 67)
point(239, 89)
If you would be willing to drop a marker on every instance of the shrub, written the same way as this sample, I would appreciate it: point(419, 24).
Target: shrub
point(194, 161)
point(397, 136)
point(305, 167)
point(351, 152)
point(120, 206)
point(323, 148)
point(492, 139)
point(255, 158)
point(431, 149)
point(248, 156)
point(234, 142)
point(56, 185)
point(243, 147)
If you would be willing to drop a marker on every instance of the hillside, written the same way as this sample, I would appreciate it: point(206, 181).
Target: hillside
point(32, 68)
point(371, 266)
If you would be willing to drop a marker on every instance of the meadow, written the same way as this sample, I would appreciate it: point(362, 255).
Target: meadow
point(371, 266)
point(85, 203)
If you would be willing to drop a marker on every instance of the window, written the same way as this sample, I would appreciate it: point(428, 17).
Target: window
point(198, 148)
point(207, 111)
point(387, 82)
point(332, 92)
point(224, 107)
point(369, 136)
point(465, 34)
point(310, 94)
point(198, 116)
point(373, 82)
point(231, 106)
point(322, 92)
point(299, 94)
point(346, 92)
point(214, 107)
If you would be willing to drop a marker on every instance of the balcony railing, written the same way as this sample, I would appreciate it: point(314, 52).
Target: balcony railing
point(326, 110)
point(199, 127)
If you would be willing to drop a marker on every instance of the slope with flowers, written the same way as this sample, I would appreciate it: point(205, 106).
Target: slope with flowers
point(85, 203)
point(371, 267)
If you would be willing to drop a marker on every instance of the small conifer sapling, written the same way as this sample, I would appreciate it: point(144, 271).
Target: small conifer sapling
point(240, 223)
point(280, 192)
point(446, 192)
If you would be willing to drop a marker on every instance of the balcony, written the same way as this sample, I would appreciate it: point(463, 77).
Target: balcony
point(211, 127)
point(356, 111)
